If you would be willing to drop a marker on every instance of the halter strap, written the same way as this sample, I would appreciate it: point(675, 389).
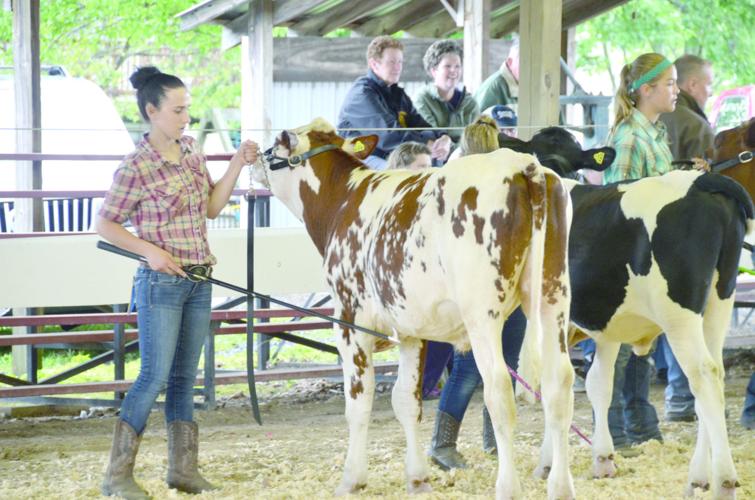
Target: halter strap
point(278, 162)
point(743, 157)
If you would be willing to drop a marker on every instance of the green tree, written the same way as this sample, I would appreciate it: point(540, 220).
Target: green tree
point(717, 30)
point(100, 39)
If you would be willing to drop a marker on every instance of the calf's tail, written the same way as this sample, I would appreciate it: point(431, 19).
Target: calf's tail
point(530, 360)
point(546, 268)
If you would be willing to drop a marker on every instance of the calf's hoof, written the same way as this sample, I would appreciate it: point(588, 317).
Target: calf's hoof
point(416, 486)
point(727, 491)
point(542, 471)
point(603, 466)
point(689, 491)
point(349, 489)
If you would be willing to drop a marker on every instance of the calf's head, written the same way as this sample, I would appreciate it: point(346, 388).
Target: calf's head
point(289, 162)
point(558, 149)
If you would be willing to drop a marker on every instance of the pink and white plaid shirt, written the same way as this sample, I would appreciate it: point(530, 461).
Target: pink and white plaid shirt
point(166, 202)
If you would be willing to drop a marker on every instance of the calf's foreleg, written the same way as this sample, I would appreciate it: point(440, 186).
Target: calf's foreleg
point(599, 384)
point(407, 405)
point(359, 391)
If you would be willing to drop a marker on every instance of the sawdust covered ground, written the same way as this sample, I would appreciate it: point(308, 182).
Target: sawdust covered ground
point(299, 452)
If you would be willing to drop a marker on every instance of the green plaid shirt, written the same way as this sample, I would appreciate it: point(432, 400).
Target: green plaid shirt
point(641, 149)
point(166, 202)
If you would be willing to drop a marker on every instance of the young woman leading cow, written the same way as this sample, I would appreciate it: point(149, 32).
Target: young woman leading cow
point(165, 190)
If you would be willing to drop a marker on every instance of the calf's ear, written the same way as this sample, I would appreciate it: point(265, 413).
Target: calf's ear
point(361, 147)
point(598, 159)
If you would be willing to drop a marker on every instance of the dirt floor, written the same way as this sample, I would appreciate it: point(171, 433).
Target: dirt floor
point(299, 452)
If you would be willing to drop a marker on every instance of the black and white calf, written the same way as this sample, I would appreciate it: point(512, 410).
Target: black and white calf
point(656, 255)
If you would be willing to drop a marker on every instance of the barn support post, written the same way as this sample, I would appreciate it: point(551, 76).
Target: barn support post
point(476, 42)
point(257, 74)
point(28, 212)
point(539, 73)
point(568, 51)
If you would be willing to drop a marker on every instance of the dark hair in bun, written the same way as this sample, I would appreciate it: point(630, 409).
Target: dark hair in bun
point(150, 84)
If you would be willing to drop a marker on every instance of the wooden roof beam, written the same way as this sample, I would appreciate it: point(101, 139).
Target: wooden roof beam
point(574, 12)
point(284, 11)
point(398, 19)
point(579, 11)
point(437, 25)
point(339, 16)
point(206, 12)
point(351, 15)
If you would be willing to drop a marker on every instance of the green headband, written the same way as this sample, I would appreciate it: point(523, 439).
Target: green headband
point(665, 63)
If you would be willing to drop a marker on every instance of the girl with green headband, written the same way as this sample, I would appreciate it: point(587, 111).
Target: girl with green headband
point(648, 88)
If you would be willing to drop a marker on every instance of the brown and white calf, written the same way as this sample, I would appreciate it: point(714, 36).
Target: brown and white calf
point(443, 254)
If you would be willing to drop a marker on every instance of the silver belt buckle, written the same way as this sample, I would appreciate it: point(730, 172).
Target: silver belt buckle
point(198, 272)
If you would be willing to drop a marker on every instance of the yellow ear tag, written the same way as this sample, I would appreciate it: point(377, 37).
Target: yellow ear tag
point(598, 157)
point(358, 147)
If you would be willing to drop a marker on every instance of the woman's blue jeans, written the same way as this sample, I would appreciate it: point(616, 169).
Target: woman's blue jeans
point(173, 315)
point(632, 419)
point(680, 401)
point(456, 394)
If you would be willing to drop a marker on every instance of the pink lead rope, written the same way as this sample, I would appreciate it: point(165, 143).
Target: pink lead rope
point(537, 395)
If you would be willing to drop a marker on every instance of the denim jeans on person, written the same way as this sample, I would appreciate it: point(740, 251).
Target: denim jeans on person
point(438, 357)
point(173, 315)
point(748, 411)
point(465, 377)
point(679, 399)
point(632, 418)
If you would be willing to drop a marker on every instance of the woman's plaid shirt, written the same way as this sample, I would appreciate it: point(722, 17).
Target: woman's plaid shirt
point(641, 149)
point(166, 202)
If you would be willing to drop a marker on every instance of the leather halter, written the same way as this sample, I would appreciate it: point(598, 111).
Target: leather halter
point(743, 157)
point(275, 162)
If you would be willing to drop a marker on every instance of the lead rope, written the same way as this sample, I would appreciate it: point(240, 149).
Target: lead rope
point(251, 197)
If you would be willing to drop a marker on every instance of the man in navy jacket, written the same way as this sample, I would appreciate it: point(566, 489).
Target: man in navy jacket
point(375, 101)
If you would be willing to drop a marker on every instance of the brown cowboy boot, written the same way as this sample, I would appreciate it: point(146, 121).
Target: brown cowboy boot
point(443, 450)
point(119, 477)
point(489, 445)
point(183, 449)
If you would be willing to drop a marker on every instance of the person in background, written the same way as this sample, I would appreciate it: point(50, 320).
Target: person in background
point(376, 104)
point(690, 135)
point(747, 419)
point(479, 137)
point(411, 155)
point(647, 89)
point(689, 130)
point(505, 118)
point(165, 190)
point(443, 103)
point(502, 87)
